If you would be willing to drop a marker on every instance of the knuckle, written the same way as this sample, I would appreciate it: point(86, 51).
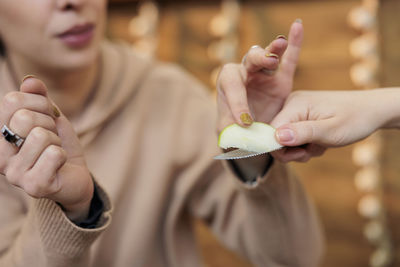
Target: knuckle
point(253, 52)
point(39, 134)
point(13, 175)
point(12, 99)
point(228, 71)
point(228, 68)
point(22, 117)
point(32, 188)
point(56, 153)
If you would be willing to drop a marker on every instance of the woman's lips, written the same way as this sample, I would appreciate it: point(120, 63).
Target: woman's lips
point(77, 36)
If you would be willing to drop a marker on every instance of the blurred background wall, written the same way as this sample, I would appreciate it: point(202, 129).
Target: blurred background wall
point(355, 188)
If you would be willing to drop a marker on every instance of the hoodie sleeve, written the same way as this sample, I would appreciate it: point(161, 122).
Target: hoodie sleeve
point(270, 221)
point(37, 233)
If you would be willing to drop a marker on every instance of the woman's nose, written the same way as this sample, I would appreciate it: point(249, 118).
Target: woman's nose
point(69, 4)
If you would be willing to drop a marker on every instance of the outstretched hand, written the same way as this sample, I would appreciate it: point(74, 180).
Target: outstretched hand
point(312, 121)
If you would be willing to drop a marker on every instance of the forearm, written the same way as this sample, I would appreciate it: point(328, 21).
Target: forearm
point(46, 237)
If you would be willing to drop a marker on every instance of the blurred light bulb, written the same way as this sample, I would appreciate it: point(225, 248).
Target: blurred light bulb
point(366, 179)
point(219, 25)
point(361, 18)
point(381, 257)
point(365, 154)
point(374, 231)
point(369, 206)
point(364, 74)
point(364, 47)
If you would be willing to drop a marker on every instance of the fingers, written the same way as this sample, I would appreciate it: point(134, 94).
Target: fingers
point(36, 142)
point(16, 100)
point(299, 154)
point(23, 111)
point(24, 120)
point(44, 172)
point(291, 56)
point(263, 60)
point(233, 79)
point(33, 85)
point(35, 166)
point(15, 163)
point(232, 96)
point(289, 154)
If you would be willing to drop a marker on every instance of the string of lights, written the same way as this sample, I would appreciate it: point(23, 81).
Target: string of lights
point(367, 154)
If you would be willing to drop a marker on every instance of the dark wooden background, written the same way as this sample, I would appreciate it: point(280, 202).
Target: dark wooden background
point(324, 65)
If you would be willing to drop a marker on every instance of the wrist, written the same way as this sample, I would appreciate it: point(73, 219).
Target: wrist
point(79, 211)
point(390, 115)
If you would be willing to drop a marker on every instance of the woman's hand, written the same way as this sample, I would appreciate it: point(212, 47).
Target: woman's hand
point(257, 88)
point(316, 120)
point(50, 163)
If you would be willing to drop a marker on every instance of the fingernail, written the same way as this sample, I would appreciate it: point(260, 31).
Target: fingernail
point(272, 55)
point(246, 118)
point(56, 112)
point(27, 77)
point(299, 21)
point(285, 135)
point(281, 37)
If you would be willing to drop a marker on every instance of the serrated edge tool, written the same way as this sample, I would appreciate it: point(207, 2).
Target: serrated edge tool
point(241, 154)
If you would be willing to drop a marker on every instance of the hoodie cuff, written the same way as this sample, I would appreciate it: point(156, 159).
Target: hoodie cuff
point(60, 235)
point(240, 175)
point(275, 173)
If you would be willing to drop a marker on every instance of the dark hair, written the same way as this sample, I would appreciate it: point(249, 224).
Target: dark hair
point(2, 49)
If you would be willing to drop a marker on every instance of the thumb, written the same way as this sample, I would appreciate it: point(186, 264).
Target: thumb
point(304, 132)
point(32, 85)
point(69, 140)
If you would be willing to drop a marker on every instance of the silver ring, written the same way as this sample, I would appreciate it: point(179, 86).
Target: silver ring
point(12, 137)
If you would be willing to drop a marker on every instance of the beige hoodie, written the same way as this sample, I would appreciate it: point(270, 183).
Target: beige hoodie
point(149, 137)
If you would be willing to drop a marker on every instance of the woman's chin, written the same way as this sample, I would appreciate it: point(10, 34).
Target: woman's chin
point(77, 60)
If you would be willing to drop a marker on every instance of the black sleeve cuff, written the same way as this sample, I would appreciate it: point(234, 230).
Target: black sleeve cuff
point(95, 211)
point(238, 172)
